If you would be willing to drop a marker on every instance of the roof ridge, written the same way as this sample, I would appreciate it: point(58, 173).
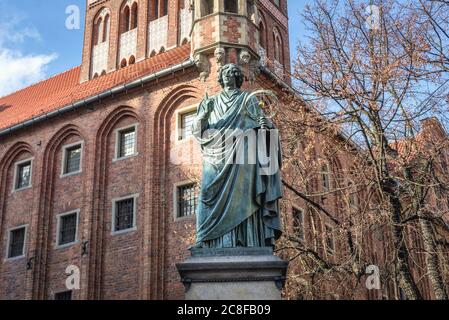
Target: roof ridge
point(39, 82)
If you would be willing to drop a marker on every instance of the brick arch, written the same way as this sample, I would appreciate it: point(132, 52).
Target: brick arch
point(5, 164)
point(46, 197)
point(96, 232)
point(161, 131)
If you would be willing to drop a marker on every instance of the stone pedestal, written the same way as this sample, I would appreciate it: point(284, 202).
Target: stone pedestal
point(233, 274)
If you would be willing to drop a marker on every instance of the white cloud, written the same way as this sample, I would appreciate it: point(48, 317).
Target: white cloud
point(17, 69)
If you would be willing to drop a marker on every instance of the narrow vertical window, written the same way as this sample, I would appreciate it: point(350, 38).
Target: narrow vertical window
point(134, 16)
point(165, 8)
point(124, 214)
point(16, 245)
point(106, 28)
point(187, 200)
point(23, 175)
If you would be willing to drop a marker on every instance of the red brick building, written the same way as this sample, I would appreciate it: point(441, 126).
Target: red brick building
point(96, 162)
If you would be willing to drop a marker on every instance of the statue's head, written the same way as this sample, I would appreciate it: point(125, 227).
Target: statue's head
point(231, 76)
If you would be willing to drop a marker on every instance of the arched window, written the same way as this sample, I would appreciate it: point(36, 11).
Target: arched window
point(263, 35)
point(132, 60)
point(278, 49)
point(126, 18)
point(231, 6)
point(165, 8)
point(106, 28)
point(134, 16)
point(97, 31)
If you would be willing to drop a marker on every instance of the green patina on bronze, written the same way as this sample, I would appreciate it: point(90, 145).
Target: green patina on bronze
point(238, 204)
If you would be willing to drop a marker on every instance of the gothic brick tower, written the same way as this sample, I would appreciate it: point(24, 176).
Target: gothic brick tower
point(119, 33)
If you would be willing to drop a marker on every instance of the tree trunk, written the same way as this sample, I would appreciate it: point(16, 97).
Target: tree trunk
point(433, 270)
point(406, 281)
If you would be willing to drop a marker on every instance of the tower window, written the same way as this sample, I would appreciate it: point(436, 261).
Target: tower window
point(187, 200)
point(231, 6)
point(106, 28)
point(134, 16)
point(16, 242)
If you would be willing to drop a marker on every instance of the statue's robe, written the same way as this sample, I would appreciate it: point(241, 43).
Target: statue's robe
point(238, 203)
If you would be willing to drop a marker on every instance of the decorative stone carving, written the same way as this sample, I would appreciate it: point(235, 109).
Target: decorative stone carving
point(220, 55)
point(244, 57)
point(203, 65)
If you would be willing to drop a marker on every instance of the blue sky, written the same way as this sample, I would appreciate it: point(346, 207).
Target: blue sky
point(35, 43)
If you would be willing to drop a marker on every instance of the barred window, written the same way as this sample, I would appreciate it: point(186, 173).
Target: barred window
point(124, 215)
point(127, 143)
point(23, 179)
point(67, 228)
point(186, 124)
point(72, 159)
point(63, 296)
point(187, 200)
point(16, 242)
point(298, 223)
point(330, 243)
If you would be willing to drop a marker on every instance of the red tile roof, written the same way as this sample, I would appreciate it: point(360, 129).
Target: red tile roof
point(64, 89)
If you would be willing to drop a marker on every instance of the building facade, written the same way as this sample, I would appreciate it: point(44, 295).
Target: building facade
point(96, 163)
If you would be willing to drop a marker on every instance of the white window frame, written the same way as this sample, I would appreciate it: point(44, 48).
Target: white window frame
point(179, 114)
point(295, 207)
point(16, 170)
point(135, 126)
point(64, 158)
point(58, 228)
point(114, 207)
point(176, 186)
point(8, 242)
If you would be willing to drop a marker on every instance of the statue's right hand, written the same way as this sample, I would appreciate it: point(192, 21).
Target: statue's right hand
point(208, 106)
